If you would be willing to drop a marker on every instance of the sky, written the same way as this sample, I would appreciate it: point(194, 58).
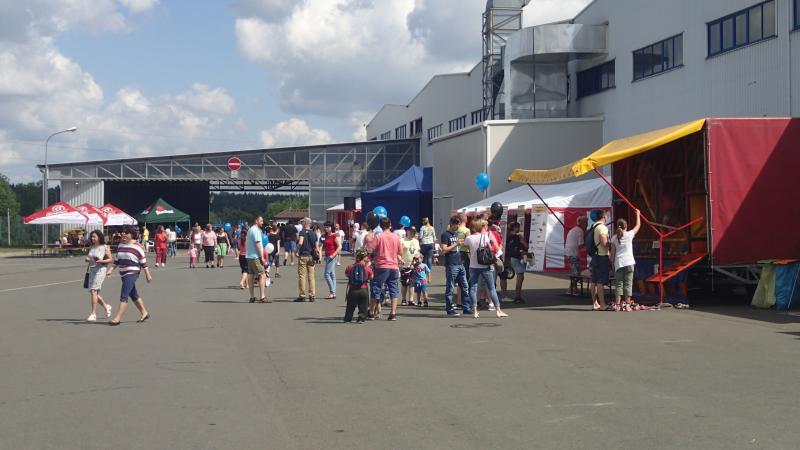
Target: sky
point(161, 77)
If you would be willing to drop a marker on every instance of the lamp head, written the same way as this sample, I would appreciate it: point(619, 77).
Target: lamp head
point(72, 129)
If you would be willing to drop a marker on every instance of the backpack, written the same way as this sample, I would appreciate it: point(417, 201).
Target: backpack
point(358, 276)
point(485, 256)
point(591, 246)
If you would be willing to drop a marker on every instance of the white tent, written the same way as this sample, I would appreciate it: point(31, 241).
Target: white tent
point(57, 214)
point(94, 216)
point(591, 193)
point(115, 216)
point(546, 235)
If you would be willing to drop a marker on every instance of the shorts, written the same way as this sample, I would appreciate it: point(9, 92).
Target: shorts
point(222, 249)
point(419, 288)
point(129, 288)
point(290, 246)
point(574, 266)
point(387, 277)
point(255, 267)
point(517, 265)
point(601, 267)
point(243, 263)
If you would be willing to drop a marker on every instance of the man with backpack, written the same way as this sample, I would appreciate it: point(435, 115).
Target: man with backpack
point(359, 276)
point(597, 247)
point(308, 257)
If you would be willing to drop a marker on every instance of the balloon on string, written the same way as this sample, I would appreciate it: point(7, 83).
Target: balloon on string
point(380, 211)
point(405, 221)
point(269, 248)
point(178, 229)
point(227, 227)
point(497, 210)
point(264, 241)
point(372, 220)
point(482, 181)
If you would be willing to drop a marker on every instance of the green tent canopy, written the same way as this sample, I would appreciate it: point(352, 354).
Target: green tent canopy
point(162, 212)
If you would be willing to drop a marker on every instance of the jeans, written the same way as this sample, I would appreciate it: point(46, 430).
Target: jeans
point(475, 274)
point(427, 254)
point(455, 274)
point(356, 297)
point(172, 249)
point(330, 274)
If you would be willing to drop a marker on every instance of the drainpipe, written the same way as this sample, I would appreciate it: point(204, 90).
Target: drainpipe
point(486, 142)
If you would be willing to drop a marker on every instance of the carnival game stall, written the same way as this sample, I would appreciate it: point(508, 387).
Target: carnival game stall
point(708, 191)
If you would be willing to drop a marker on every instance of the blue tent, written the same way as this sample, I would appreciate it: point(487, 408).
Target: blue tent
point(410, 194)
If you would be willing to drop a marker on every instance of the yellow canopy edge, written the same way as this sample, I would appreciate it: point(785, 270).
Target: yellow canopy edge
point(612, 152)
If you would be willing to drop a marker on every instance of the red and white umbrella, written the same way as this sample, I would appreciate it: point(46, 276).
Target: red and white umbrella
point(95, 217)
point(116, 216)
point(57, 214)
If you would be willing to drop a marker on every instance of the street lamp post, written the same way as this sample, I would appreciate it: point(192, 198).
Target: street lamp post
point(44, 181)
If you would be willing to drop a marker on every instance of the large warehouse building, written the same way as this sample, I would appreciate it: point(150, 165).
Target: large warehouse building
point(545, 95)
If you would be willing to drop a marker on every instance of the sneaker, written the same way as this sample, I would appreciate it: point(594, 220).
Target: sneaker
point(425, 304)
point(108, 311)
point(453, 313)
point(402, 303)
point(360, 320)
point(299, 300)
point(92, 318)
point(392, 318)
point(491, 307)
point(311, 299)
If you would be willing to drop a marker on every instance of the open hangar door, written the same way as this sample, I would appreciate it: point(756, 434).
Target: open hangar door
point(133, 197)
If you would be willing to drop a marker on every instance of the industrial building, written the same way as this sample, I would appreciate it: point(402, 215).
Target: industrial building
point(545, 95)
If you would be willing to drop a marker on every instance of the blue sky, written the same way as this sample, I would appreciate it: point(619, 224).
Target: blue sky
point(158, 77)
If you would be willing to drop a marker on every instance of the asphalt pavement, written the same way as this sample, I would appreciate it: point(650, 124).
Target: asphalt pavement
point(211, 371)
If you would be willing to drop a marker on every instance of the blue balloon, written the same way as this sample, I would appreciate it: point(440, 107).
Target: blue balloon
point(264, 241)
point(178, 229)
point(380, 211)
point(227, 227)
point(405, 221)
point(482, 181)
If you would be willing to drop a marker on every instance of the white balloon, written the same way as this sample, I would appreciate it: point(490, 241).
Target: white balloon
point(270, 248)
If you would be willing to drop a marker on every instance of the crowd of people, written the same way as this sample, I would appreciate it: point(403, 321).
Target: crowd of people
point(392, 267)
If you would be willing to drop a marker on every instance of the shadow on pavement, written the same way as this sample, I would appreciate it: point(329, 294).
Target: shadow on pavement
point(76, 321)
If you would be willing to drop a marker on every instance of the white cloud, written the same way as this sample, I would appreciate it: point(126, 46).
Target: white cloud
point(139, 6)
point(294, 132)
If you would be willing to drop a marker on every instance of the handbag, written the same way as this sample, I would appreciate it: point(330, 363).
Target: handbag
point(86, 279)
point(484, 255)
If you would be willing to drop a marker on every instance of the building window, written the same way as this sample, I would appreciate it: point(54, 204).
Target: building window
point(434, 132)
point(458, 123)
point(478, 116)
point(796, 13)
point(657, 58)
point(744, 27)
point(386, 136)
point(596, 79)
point(416, 127)
point(400, 132)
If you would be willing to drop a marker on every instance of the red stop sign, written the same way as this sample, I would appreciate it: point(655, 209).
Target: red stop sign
point(234, 163)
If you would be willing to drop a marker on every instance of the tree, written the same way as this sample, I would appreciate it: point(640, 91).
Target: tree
point(8, 199)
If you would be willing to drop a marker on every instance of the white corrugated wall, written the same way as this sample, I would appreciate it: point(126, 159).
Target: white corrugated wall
point(78, 192)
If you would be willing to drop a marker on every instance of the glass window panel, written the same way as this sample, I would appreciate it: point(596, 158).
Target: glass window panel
point(657, 60)
point(638, 64)
point(612, 71)
point(668, 61)
point(769, 19)
point(714, 44)
point(796, 14)
point(741, 29)
point(648, 55)
point(727, 34)
point(677, 55)
point(755, 23)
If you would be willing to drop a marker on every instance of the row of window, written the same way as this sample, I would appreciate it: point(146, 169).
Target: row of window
point(458, 123)
point(434, 132)
point(741, 28)
point(400, 132)
point(386, 136)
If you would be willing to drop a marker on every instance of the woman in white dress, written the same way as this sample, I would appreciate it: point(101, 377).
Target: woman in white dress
point(98, 258)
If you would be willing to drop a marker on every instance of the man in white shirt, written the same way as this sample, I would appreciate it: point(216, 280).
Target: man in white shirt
point(572, 250)
point(172, 242)
point(339, 234)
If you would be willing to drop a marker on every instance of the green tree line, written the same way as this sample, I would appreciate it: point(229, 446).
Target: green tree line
point(17, 201)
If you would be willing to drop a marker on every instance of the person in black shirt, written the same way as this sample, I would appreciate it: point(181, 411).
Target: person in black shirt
point(453, 266)
point(515, 248)
point(307, 258)
point(275, 257)
point(289, 239)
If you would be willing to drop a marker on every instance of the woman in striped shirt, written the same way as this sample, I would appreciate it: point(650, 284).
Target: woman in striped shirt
point(131, 261)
